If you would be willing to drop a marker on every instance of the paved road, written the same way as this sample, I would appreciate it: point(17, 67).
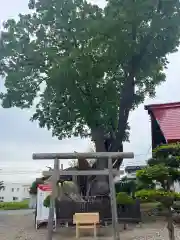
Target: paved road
point(16, 212)
point(22, 227)
point(6, 216)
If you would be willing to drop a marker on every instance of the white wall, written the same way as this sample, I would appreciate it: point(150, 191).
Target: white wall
point(14, 192)
point(177, 187)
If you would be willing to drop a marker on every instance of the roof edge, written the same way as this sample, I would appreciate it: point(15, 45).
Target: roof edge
point(162, 105)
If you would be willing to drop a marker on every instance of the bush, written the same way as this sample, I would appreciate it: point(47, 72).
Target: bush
point(165, 197)
point(46, 202)
point(33, 188)
point(124, 198)
point(14, 205)
point(34, 185)
point(176, 206)
point(156, 194)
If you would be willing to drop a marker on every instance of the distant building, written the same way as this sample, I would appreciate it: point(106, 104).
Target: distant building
point(14, 192)
point(128, 171)
point(131, 171)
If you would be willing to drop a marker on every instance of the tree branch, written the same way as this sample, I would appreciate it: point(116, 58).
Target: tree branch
point(147, 40)
point(127, 97)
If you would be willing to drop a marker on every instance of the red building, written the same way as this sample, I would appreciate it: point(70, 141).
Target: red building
point(165, 123)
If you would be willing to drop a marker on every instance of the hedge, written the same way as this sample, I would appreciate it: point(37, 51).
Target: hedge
point(14, 205)
point(124, 198)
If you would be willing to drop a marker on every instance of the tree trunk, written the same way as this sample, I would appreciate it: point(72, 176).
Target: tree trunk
point(170, 225)
point(98, 185)
point(98, 139)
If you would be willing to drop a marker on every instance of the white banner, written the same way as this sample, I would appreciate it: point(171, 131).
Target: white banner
point(42, 212)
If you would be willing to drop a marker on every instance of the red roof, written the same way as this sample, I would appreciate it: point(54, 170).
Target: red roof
point(44, 187)
point(168, 117)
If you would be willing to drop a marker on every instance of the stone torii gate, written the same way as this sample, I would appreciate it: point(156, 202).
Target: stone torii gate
point(56, 172)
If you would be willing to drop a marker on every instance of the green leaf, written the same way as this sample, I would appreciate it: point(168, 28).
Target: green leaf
point(124, 198)
point(84, 66)
point(165, 197)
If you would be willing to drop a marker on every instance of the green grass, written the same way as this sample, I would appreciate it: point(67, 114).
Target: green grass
point(149, 205)
point(14, 205)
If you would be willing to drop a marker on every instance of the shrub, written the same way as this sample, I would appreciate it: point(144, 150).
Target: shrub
point(46, 202)
point(176, 206)
point(34, 185)
point(14, 205)
point(163, 169)
point(159, 195)
point(124, 198)
point(156, 194)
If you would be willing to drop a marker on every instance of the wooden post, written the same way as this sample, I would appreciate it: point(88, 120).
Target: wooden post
point(113, 201)
point(55, 177)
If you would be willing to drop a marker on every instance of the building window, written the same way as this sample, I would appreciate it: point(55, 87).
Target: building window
point(1, 199)
point(15, 198)
point(12, 189)
point(17, 189)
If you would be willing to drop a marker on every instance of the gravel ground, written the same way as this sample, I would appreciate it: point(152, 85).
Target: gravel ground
point(21, 227)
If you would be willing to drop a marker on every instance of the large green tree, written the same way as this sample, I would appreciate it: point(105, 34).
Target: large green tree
point(85, 67)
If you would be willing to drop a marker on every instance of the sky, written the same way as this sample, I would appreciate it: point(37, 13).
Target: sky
point(19, 137)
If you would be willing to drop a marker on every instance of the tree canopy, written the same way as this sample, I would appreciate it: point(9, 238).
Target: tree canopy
point(85, 68)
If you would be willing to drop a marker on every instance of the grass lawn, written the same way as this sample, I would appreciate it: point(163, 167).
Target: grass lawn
point(14, 205)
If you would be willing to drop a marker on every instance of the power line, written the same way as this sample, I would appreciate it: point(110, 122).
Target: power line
point(15, 173)
point(149, 149)
point(23, 172)
point(144, 154)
